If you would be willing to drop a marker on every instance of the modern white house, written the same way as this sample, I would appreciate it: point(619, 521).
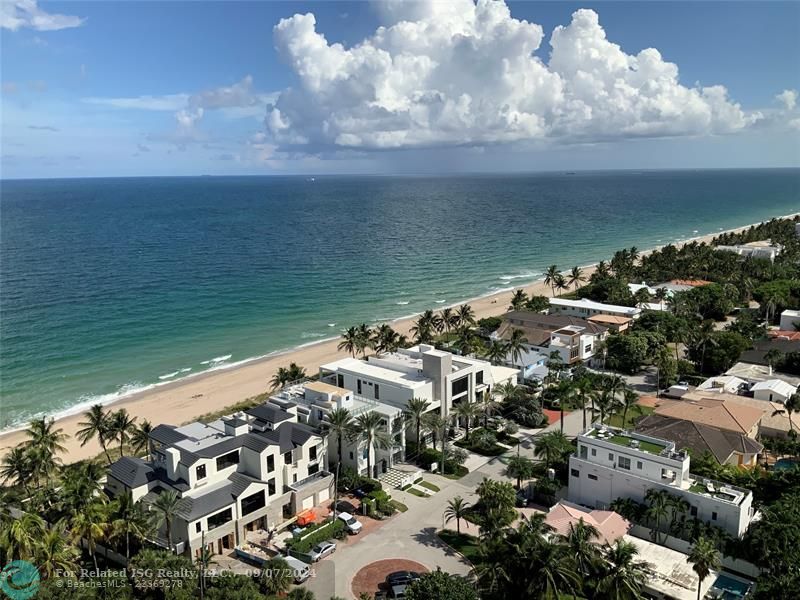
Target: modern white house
point(586, 308)
point(611, 463)
point(773, 390)
point(247, 471)
point(387, 382)
point(726, 384)
point(573, 338)
point(763, 249)
point(789, 318)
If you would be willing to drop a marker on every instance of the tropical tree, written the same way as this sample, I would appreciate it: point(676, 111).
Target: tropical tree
point(583, 391)
point(704, 558)
point(622, 576)
point(385, 339)
point(166, 509)
point(516, 345)
point(441, 586)
point(437, 424)
point(456, 509)
point(17, 468)
point(130, 520)
point(295, 372)
point(792, 405)
point(415, 415)
point(550, 276)
point(44, 442)
point(339, 424)
point(466, 411)
point(560, 283)
point(422, 329)
point(551, 445)
point(363, 338)
point(629, 399)
point(661, 294)
point(80, 484)
point(518, 300)
point(449, 319)
point(280, 378)
point(581, 543)
point(54, 554)
point(576, 277)
point(466, 316)
point(19, 537)
point(370, 430)
point(140, 438)
point(91, 524)
point(519, 468)
point(276, 577)
point(95, 425)
point(121, 425)
point(496, 352)
point(349, 342)
point(658, 509)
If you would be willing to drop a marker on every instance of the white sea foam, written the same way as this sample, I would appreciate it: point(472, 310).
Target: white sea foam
point(402, 302)
point(168, 375)
point(186, 370)
point(440, 301)
point(331, 324)
point(215, 360)
point(310, 334)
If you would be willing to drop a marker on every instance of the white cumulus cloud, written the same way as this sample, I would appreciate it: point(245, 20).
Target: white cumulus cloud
point(17, 14)
point(464, 73)
point(788, 98)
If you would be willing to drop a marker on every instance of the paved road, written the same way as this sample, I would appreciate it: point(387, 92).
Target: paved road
point(412, 534)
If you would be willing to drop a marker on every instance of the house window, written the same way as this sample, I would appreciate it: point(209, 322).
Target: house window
point(639, 465)
point(574, 472)
point(200, 471)
point(270, 463)
point(624, 463)
point(287, 457)
point(479, 378)
point(358, 386)
point(228, 460)
point(271, 487)
point(594, 451)
point(592, 477)
point(713, 516)
point(583, 451)
point(313, 468)
point(320, 415)
point(610, 457)
point(351, 456)
point(312, 453)
point(220, 518)
point(198, 527)
point(253, 502)
point(693, 511)
point(587, 349)
point(340, 380)
point(459, 386)
point(377, 392)
point(294, 478)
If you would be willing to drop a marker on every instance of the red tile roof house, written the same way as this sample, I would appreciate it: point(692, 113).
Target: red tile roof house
point(610, 525)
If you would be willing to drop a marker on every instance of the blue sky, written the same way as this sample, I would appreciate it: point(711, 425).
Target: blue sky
point(186, 88)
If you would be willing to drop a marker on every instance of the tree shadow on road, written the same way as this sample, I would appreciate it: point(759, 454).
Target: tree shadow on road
point(427, 537)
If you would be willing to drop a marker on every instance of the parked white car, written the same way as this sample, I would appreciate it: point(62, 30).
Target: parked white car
point(350, 523)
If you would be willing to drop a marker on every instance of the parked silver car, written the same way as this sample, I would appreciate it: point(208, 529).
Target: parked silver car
point(322, 550)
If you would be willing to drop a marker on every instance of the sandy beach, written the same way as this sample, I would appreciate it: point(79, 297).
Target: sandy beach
point(184, 400)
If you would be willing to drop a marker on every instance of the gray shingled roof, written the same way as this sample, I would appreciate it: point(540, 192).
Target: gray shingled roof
point(166, 434)
point(269, 413)
point(240, 481)
point(132, 472)
point(205, 504)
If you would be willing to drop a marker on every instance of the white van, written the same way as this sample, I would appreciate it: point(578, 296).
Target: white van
point(350, 523)
point(302, 571)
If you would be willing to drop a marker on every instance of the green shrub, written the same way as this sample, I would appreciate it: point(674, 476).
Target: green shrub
point(316, 533)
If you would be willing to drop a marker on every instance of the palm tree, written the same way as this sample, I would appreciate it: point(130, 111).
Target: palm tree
point(791, 405)
point(661, 294)
point(448, 318)
point(91, 524)
point(349, 341)
point(140, 438)
point(773, 358)
point(466, 411)
point(519, 468)
point(96, 424)
point(702, 337)
point(704, 558)
point(166, 506)
point(385, 339)
point(276, 577)
point(487, 405)
point(369, 429)
point(363, 338)
point(340, 425)
point(516, 345)
point(560, 283)
point(583, 389)
point(438, 424)
point(121, 426)
point(415, 415)
point(456, 509)
point(44, 442)
point(518, 300)
point(496, 352)
point(657, 510)
point(550, 278)
point(576, 277)
point(81, 483)
point(555, 576)
point(466, 316)
point(54, 554)
point(581, 544)
point(19, 538)
point(422, 330)
point(622, 576)
point(551, 445)
point(629, 399)
point(295, 372)
point(17, 467)
point(131, 520)
point(280, 378)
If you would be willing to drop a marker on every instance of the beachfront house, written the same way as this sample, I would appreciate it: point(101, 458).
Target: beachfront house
point(611, 463)
point(585, 308)
point(763, 249)
point(390, 380)
point(573, 338)
point(248, 471)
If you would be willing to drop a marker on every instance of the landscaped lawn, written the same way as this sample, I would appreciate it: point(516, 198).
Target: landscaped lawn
point(633, 415)
point(428, 485)
point(416, 492)
point(494, 450)
point(466, 544)
point(461, 470)
point(398, 505)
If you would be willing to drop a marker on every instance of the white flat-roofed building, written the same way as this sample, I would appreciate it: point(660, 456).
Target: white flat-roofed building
point(789, 318)
point(611, 463)
point(763, 249)
point(773, 390)
point(727, 384)
point(586, 308)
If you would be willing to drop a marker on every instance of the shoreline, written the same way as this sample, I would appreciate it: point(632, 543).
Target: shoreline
point(185, 399)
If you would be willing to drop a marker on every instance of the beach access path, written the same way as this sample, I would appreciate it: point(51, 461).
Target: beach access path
point(185, 400)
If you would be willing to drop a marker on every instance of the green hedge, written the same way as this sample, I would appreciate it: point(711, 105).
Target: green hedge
point(316, 533)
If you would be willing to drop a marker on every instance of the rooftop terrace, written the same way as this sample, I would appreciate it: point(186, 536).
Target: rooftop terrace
point(622, 438)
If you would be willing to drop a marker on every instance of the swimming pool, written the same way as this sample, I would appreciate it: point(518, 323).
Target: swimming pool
point(728, 588)
point(784, 464)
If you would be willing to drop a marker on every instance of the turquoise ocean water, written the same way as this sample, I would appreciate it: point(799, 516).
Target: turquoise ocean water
point(112, 285)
